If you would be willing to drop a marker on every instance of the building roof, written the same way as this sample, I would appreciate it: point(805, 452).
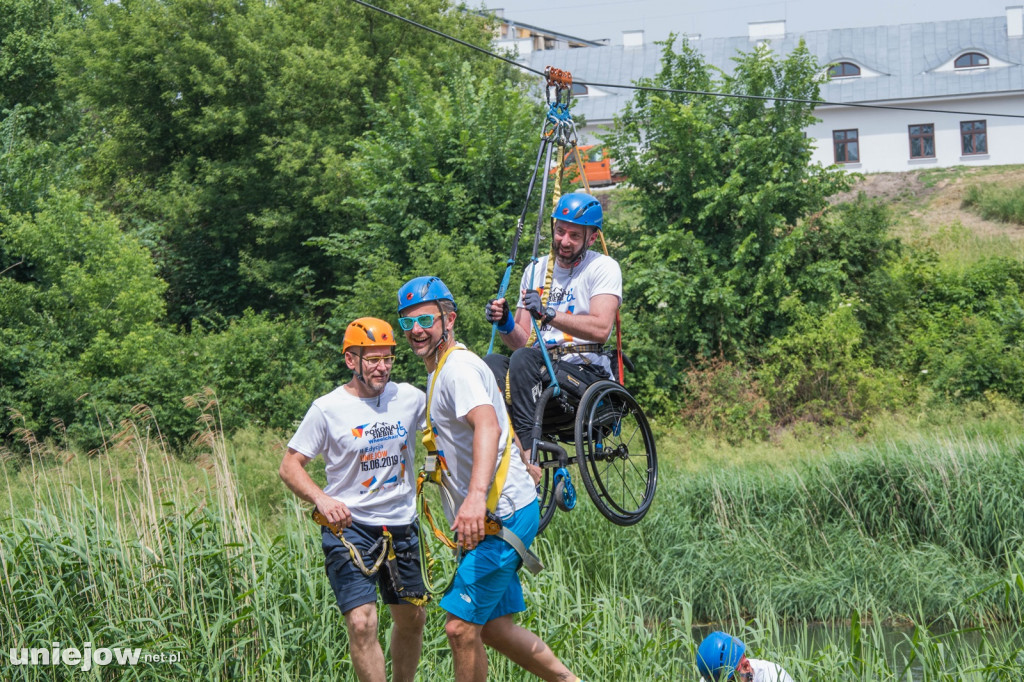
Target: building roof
point(905, 62)
point(573, 41)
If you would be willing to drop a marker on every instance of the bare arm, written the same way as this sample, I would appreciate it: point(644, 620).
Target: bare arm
point(469, 520)
point(293, 473)
point(595, 326)
point(531, 468)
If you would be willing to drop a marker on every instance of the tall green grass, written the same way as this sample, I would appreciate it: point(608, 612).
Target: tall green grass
point(996, 202)
point(959, 248)
point(916, 530)
point(134, 548)
point(115, 551)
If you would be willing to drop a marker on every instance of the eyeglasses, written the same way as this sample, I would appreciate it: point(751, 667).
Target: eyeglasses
point(424, 321)
point(373, 362)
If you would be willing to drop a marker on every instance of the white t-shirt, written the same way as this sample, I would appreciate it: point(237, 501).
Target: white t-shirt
point(766, 671)
point(368, 445)
point(466, 382)
point(571, 294)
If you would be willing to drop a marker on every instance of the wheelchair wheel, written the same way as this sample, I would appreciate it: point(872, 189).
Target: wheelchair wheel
point(546, 498)
point(616, 453)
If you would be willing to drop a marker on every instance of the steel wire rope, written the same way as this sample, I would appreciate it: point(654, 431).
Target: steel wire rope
point(680, 91)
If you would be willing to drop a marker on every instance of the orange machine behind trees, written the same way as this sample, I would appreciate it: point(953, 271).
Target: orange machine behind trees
point(597, 166)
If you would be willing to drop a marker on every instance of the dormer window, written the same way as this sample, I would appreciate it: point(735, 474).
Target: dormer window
point(970, 60)
point(579, 90)
point(844, 70)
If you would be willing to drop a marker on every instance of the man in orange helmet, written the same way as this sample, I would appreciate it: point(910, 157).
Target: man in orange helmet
point(364, 430)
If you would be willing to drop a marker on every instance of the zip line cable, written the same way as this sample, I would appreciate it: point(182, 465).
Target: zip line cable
point(679, 91)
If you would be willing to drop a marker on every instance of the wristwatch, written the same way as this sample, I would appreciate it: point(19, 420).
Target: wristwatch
point(549, 314)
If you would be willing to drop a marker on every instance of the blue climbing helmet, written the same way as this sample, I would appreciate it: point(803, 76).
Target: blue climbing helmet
point(421, 290)
point(579, 208)
point(719, 653)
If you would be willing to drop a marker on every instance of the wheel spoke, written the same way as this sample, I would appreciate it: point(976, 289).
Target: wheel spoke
point(612, 434)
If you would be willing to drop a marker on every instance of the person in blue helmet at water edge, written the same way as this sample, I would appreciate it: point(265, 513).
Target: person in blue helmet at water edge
point(574, 300)
point(721, 657)
point(469, 439)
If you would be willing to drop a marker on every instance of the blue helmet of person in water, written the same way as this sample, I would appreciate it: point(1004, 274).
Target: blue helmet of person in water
point(718, 655)
point(579, 208)
point(422, 290)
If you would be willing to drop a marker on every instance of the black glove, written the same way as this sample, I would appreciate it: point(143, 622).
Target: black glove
point(492, 317)
point(531, 301)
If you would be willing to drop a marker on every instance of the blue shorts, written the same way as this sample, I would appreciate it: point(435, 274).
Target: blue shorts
point(486, 583)
point(352, 587)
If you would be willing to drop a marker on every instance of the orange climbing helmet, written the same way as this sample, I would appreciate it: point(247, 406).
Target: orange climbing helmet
point(368, 331)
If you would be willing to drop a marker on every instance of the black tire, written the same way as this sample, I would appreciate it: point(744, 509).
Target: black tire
point(616, 453)
point(560, 496)
point(546, 498)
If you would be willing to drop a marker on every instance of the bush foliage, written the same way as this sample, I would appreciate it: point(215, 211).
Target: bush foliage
point(196, 193)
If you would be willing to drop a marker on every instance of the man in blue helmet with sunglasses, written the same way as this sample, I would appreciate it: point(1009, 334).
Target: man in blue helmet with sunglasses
point(470, 441)
point(574, 300)
point(721, 658)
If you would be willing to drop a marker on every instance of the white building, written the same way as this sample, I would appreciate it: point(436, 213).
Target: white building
point(523, 39)
point(972, 67)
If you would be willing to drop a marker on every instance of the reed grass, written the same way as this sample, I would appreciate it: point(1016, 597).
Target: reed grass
point(901, 530)
point(135, 548)
point(116, 551)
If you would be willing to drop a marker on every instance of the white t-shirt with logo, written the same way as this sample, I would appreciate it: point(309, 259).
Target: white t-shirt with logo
point(571, 292)
point(368, 446)
point(766, 671)
point(466, 382)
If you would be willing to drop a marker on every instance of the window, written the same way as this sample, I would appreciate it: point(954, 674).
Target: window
point(579, 90)
point(970, 60)
point(843, 70)
point(973, 139)
point(922, 141)
point(845, 144)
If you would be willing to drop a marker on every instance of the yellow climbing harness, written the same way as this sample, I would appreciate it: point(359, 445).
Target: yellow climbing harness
point(435, 470)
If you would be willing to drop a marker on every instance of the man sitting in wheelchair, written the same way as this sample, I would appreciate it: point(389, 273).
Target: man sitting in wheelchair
point(574, 300)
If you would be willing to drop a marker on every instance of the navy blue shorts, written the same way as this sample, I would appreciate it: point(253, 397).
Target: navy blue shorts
point(352, 588)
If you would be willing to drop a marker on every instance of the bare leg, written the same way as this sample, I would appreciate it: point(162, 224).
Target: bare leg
point(468, 651)
point(367, 656)
point(525, 649)
point(406, 640)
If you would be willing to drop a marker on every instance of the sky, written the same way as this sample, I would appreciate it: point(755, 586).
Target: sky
point(596, 19)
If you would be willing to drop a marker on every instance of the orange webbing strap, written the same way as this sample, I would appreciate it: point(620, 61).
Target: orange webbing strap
point(619, 324)
point(425, 511)
point(583, 170)
point(491, 526)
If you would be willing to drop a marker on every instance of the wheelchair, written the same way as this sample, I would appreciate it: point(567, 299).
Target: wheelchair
point(608, 438)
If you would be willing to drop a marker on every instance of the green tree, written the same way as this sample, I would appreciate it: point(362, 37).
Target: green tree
point(29, 51)
point(230, 122)
point(70, 275)
point(722, 183)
